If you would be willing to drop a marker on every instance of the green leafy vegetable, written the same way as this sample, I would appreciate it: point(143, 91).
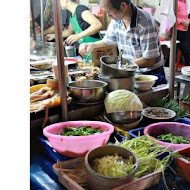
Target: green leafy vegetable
point(186, 99)
point(122, 100)
point(80, 131)
point(170, 138)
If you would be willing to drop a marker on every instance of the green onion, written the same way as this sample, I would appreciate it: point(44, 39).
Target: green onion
point(147, 151)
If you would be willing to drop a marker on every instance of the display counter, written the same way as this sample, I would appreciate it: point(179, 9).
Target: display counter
point(78, 112)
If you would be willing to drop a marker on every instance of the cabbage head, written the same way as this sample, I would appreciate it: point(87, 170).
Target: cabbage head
point(122, 100)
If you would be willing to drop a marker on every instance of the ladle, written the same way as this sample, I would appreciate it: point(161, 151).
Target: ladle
point(119, 60)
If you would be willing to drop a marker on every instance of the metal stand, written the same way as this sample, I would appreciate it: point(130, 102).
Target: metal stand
point(42, 21)
point(172, 62)
point(33, 23)
point(60, 58)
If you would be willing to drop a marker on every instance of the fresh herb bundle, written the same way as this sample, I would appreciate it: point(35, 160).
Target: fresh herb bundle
point(186, 99)
point(80, 131)
point(148, 152)
point(170, 138)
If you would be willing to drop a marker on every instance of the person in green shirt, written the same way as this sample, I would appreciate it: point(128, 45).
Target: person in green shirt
point(84, 27)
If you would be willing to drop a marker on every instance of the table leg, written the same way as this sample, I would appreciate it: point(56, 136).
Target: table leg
point(178, 89)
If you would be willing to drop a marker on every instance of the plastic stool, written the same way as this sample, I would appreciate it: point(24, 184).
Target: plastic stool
point(178, 61)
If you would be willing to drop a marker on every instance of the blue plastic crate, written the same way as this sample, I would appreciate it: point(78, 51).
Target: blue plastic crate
point(182, 120)
point(135, 132)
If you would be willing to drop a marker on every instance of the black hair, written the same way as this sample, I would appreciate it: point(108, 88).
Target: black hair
point(116, 3)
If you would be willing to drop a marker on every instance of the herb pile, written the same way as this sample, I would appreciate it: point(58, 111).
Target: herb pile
point(186, 99)
point(170, 138)
point(80, 131)
point(147, 151)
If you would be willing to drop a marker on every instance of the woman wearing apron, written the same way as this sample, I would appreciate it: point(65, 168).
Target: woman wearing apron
point(84, 27)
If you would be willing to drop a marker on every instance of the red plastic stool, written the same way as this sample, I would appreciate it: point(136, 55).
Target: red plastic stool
point(179, 64)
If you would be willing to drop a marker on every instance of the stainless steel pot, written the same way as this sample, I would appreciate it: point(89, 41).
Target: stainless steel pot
point(106, 70)
point(47, 49)
point(118, 83)
point(87, 91)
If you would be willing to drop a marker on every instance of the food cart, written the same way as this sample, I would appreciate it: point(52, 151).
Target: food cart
point(44, 157)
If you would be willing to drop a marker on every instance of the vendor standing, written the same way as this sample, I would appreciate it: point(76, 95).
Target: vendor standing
point(134, 31)
point(83, 24)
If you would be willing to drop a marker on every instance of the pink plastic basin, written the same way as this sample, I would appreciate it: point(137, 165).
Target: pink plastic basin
point(77, 146)
point(178, 129)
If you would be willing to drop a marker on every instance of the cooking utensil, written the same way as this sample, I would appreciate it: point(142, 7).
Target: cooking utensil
point(126, 126)
point(87, 91)
point(39, 49)
point(99, 182)
point(118, 83)
point(106, 69)
point(119, 60)
point(87, 58)
point(124, 117)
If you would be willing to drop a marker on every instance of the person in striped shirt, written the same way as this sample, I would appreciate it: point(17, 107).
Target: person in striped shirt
point(135, 32)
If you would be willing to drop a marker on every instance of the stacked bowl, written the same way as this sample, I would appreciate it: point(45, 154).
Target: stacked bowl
point(123, 108)
point(117, 78)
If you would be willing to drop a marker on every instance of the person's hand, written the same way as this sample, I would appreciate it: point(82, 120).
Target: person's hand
point(84, 48)
point(185, 23)
point(50, 37)
point(72, 39)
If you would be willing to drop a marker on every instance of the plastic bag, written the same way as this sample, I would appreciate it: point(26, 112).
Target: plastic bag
point(166, 18)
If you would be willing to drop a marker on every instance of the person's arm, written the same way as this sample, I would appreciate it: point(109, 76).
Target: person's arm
point(142, 62)
point(185, 23)
point(50, 30)
point(68, 31)
point(84, 48)
point(95, 26)
point(65, 33)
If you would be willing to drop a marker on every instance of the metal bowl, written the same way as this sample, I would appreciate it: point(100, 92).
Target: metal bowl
point(124, 117)
point(118, 83)
point(87, 91)
point(43, 49)
point(97, 181)
point(106, 70)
